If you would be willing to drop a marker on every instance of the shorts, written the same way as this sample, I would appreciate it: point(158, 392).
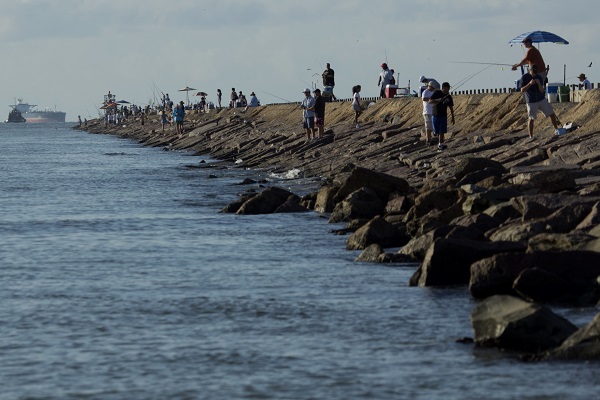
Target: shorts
point(428, 121)
point(319, 121)
point(309, 122)
point(542, 105)
point(356, 107)
point(440, 125)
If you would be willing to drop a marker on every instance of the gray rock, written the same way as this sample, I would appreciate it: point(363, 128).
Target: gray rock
point(592, 219)
point(379, 231)
point(549, 181)
point(510, 323)
point(584, 344)
point(370, 254)
point(448, 261)
point(265, 202)
point(291, 205)
point(503, 211)
point(381, 183)
point(361, 204)
point(470, 165)
point(324, 202)
point(559, 241)
point(496, 274)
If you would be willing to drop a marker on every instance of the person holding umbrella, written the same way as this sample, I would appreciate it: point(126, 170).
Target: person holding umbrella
point(533, 57)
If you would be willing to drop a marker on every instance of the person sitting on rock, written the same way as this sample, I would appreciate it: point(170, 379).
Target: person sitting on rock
point(253, 102)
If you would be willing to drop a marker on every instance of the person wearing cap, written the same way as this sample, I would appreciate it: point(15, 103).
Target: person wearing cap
point(532, 86)
point(428, 112)
point(584, 83)
point(385, 78)
point(329, 79)
point(308, 114)
point(319, 109)
point(253, 102)
point(533, 57)
point(425, 81)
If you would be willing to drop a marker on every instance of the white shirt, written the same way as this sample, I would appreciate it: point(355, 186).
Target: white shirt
point(356, 99)
point(386, 77)
point(427, 106)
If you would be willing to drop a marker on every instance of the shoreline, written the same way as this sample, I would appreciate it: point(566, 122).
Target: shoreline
point(496, 212)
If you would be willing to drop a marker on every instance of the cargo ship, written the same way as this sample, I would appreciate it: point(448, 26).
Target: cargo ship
point(33, 115)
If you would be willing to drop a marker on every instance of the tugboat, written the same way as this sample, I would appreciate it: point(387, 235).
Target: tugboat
point(15, 116)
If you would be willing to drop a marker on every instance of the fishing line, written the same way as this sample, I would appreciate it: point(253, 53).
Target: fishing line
point(280, 98)
point(468, 78)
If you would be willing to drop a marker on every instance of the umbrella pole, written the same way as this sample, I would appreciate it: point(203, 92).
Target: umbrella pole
point(565, 75)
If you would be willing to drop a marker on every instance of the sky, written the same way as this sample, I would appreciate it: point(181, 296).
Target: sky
point(66, 55)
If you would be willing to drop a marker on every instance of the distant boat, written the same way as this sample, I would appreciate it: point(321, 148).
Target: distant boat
point(15, 116)
point(32, 115)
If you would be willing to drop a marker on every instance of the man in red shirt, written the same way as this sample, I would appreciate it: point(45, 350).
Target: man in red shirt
point(532, 57)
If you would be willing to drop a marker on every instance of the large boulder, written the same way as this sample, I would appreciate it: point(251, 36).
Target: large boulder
point(510, 323)
point(265, 202)
point(517, 231)
point(448, 261)
point(467, 166)
point(291, 205)
point(370, 253)
point(576, 240)
point(379, 231)
point(324, 202)
point(592, 219)
point(567, 218)
point(381, 183)
point(234, 206)
point(549, 181)
point(581, 345)
point(566, 277)
point(496, 274)
point(503, 211)
point(361, 204)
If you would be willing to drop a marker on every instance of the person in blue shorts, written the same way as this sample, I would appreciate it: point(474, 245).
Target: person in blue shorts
point(442, 101)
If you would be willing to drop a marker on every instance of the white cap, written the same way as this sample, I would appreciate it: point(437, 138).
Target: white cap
point(306, 90)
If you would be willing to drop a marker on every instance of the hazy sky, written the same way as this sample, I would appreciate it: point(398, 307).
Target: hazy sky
point(69, 53)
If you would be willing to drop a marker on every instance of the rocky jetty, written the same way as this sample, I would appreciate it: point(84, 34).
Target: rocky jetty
point(514, 220)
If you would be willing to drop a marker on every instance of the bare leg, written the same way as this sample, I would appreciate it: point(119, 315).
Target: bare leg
point(530, 123)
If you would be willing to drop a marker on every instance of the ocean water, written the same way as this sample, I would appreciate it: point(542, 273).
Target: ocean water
point(119, 279)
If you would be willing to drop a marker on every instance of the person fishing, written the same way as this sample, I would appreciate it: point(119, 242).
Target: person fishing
point(533, 57)
point(531, 85)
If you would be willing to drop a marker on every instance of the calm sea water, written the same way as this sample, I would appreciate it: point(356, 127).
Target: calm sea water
point(119, 279)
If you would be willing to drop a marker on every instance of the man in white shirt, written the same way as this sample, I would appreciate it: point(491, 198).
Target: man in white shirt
point(428, 112)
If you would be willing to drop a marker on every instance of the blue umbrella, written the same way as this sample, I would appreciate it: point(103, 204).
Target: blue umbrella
point(539, 37)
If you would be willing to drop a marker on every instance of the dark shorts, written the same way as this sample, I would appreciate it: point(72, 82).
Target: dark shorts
point(309, 122)
point(440, 125)
point(319, 121)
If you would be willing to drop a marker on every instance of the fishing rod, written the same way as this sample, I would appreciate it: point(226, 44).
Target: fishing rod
point(482, 63)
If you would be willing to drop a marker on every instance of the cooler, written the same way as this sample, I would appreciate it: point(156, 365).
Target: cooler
point(552, 87)
point(563, 94)
point(390, 91)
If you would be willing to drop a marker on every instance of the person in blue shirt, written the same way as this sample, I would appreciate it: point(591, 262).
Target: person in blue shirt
point(532, 85)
